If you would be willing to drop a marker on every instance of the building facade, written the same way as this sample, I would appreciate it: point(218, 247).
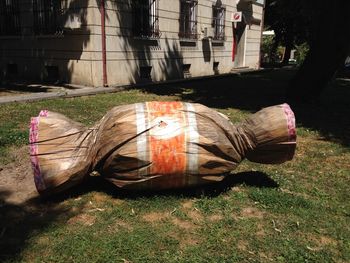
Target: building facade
point(121, 42)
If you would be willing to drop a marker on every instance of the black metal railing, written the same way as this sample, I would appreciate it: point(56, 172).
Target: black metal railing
point(219, 23)
point(146, 18)
point(188, 19)
point(10, 23)
point(46, 17)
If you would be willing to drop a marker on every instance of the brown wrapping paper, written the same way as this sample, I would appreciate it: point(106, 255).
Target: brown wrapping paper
point(156, 145)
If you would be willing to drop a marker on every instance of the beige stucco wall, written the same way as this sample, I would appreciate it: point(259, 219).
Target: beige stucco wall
point(78, 54)
point(125, 54)
point(254, 38)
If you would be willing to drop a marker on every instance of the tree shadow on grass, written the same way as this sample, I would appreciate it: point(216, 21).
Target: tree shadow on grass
point(328, 114)
point(99, 184)
point(19, 222)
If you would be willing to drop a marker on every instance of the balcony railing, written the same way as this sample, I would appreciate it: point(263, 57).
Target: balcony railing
point(188, 19)
point(146, 18)
point(219, 23)
point(46, 17)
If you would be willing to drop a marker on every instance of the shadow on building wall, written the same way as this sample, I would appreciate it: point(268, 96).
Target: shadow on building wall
point(206, 50)
point(137, 52)
point(80, 36)
point(161, 56)
point(247, 10)
point(172, 63)
point(47, 58)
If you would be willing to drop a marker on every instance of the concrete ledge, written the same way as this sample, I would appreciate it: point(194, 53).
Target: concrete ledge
point(234, 72)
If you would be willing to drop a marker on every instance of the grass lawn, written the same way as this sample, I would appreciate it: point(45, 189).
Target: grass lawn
point(295, 212)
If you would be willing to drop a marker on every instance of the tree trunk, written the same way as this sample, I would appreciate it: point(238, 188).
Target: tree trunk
point(273, 51)
point(286, 54)
point(327, 54)
point(289, 41)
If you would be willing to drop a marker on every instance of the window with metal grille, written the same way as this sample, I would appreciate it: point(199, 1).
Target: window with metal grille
point(146, 18)
point(188, 19)
point(219, 23)
point(10, 23)
point(46, 17)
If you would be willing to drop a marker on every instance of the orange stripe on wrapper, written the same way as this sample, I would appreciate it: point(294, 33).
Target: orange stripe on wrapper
point(167, 139)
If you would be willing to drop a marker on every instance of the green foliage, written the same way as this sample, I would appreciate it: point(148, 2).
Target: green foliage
point(267, 49)
point(301, 52)
point(11, 135)
point(292, 22)
point(266, 45)
point(290, 18)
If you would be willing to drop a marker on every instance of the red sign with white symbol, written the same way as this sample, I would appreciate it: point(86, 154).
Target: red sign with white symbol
point(237, 17)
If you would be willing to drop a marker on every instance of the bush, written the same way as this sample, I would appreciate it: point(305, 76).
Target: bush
point(301, 52)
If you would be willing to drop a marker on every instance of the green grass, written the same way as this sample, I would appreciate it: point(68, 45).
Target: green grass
point(300, 214)
point(15, 118)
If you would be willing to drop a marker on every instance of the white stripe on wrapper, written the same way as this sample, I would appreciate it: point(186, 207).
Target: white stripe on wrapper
point(142, 136)
point(192, 140)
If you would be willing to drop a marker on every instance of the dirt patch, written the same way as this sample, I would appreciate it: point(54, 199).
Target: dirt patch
point(100, 198)
point(260, 232)
point(183, 224)
point(327, 241)
point(119, 225)
point(215, 218)
point(84, 219)
point(187, 204)
point(43, 241)
point(123, 224)
point(155, 217)
point(16, 178)
point(252, 212)
point(185, 239)
point(319, 242)
point(265, 256)
point(191, 211)
point(188, 241)
point(322, 241)
point(116, 201)
point(195, 215)
point(242, 245)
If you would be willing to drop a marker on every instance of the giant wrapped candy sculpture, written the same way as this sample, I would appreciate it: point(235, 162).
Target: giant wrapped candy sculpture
point(156, 145)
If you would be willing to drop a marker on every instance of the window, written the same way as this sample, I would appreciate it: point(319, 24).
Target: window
point(146, 18)
point(10, 17)
point(46, 17)
point(188, 19)
point(145, 72)
point(219, 23)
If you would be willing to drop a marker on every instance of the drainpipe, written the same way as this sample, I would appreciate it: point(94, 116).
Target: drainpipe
point(234, 44)
point(262, 30)
point(103, 36)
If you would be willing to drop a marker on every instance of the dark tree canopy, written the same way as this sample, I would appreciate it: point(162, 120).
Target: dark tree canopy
point(325, 26)
point(290, 20)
